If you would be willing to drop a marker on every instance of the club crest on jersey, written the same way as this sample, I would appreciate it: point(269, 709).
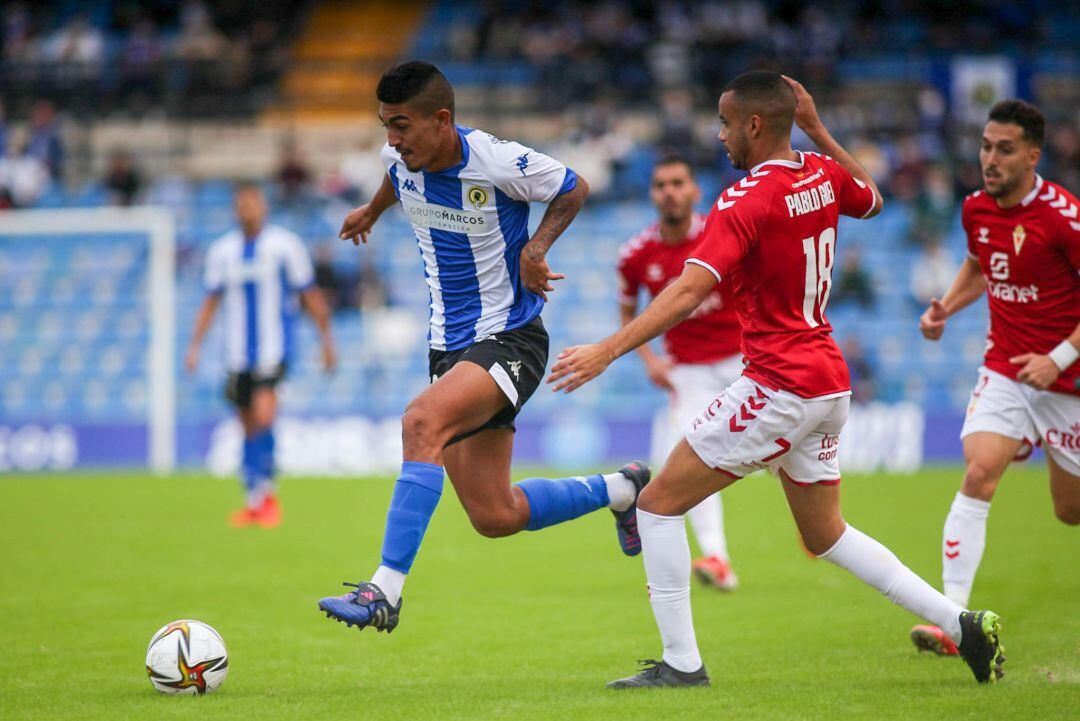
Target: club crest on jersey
point(1019, 236)
point(478, 197)
point(984, 235)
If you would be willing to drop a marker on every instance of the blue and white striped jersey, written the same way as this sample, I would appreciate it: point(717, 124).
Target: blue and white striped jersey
point(259, 280)
point(471, 222)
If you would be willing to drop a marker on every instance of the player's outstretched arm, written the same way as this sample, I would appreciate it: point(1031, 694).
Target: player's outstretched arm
point(578, 365)
point(315, 304)
point(535, 272)
point(967, 287)
point(359, 222)
point(657, 367)
point(202, 324)
point(806, 117)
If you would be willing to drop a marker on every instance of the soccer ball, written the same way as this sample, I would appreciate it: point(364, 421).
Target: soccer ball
point(186, 657)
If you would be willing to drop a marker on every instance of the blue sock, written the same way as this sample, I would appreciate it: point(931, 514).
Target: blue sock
point(416, 494)
point(249, 468)
point(553, 501)
point(265, 454)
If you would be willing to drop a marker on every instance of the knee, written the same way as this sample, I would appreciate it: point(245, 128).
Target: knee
point(652, 500)
point(818, 541)
point(496, 522)
point(420, 429)
point(980, 481)
point(1068, 514)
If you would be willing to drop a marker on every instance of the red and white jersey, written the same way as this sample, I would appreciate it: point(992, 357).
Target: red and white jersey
point(1030, 257)
point(772, 237)
point(711, 333)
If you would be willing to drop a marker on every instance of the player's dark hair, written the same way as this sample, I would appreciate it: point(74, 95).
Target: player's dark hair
point(417, 83)
point(242, 186)
point(765, 93)
point(675, 159)
point(1027, 116)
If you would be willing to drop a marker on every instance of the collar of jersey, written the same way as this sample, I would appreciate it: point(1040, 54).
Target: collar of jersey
point(1034, 191)
point(786, 163)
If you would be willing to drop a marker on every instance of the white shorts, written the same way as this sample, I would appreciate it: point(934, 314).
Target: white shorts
point(1012, 409)
point(695, 385)
point(749, 427)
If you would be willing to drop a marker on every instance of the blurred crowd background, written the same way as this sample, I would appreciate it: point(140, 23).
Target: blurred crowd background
point(167, 103)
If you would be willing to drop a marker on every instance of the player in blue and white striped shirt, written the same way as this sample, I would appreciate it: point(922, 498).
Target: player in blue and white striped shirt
point(467, 194)
point(259, 272)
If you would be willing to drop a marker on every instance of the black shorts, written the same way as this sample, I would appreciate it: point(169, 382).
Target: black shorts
point(239, 387)
point(516, 359)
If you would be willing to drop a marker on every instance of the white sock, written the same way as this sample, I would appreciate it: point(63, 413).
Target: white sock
point(707, 520)
point(256, 496)
point(391, 582)
point(962, 546)
point(879, 567)
point(621, 492)
point(667, 569)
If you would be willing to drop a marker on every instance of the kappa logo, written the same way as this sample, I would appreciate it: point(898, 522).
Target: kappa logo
point(984, 235)
point(409, 185)
point(515, 368)
point(522, 163)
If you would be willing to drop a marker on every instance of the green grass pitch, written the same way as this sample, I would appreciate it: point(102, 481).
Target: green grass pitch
point(519, 628)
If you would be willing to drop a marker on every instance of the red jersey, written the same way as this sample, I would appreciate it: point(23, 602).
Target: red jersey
point(711, 333)
point(1030, 257)
point(772, 237)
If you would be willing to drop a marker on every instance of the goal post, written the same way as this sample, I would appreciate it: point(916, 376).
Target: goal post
point(158, 226)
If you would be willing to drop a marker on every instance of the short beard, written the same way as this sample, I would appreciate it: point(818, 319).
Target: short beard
point(670, 219)
point(1003, 189)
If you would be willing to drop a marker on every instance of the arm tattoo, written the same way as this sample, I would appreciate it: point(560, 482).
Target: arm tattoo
point(560, 212)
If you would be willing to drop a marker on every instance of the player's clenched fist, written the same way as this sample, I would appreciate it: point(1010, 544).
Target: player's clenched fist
point(932, 322)
point(578, 365)
point(358, 224)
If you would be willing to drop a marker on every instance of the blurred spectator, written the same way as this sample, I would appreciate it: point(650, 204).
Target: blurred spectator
point(327, 279)
point(78, 43)
point(22, 176)
point(198, 39)
point(595, 147)
point(1063, 151)
point(142, 51)
point(861, 367)
point(3, 127)
point(292, 174)
point(371, 291)
point(935, 207)
point(932, 273)
point(121, 179)
point(854, 284)
point(362, 171)
point(16, 32)
point(908, 171)
point(45, 142)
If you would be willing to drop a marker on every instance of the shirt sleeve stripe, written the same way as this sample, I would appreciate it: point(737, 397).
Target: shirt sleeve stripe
point(569, 183)
point(705, 265)
point(873, 202)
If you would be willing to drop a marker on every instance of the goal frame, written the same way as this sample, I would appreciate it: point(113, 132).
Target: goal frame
point(159, 227)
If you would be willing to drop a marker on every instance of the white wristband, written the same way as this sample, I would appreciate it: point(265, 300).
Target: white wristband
point(1064, 355)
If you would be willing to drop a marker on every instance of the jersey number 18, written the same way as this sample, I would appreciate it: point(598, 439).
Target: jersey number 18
point(820, 258)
